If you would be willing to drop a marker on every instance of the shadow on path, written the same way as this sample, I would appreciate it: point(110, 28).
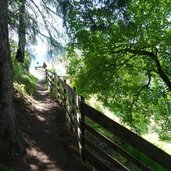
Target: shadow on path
point(51, 145)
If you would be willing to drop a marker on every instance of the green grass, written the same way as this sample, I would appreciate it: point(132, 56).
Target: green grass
point(149, 162)
point(137, 154)
point(23, 80)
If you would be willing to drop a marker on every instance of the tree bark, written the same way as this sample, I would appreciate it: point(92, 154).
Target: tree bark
point(10, 138)
point(21, 32)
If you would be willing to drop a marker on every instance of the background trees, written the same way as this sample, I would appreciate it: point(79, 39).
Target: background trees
point(33, 20)
point(21, 31)
point(24, 18)
point(120, 51)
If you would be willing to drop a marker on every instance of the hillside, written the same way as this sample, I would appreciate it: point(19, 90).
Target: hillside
point(50, 145)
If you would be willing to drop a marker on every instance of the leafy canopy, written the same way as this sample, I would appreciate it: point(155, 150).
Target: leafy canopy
point(35, 20)
point(120, 50)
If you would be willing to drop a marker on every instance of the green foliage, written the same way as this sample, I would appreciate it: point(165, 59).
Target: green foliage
point(24, 81)
point(27, 60)
point(133, 151)
point(28, 80)
point(121, 53)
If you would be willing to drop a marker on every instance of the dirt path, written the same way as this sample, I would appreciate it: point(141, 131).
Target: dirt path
point(50, 143)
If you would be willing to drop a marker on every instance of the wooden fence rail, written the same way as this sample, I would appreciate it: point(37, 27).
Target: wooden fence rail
point(101, 148)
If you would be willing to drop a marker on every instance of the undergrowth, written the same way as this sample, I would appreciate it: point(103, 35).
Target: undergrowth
point(24, 82)
point(130, 149)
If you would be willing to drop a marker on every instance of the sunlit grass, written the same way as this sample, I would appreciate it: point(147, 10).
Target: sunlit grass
point(152, 136)
point(23, 80)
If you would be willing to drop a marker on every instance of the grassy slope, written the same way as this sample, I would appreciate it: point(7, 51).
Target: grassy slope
point(24, 82)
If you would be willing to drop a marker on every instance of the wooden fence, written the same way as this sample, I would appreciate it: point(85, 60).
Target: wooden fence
point(107, 145)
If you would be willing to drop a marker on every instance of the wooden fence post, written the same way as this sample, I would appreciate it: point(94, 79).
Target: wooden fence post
point(47, 78)
point(75, 103)
point(58, 89)
point(52, 84)
point(82, 129)
point(46, 75)
point(65, 96)
point(74, 110)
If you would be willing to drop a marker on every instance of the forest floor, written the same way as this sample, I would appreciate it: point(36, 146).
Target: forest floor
point(51, 146)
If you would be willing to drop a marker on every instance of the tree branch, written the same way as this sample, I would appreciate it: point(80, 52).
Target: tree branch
point(154, 57)
point(49, 9)
point(46, 22)
point(140, 90)
point(121, 64)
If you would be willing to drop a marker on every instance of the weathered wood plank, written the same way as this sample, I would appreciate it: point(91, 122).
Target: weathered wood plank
point(67, 94)
point(104, 155)
point(133, 139)
point(97, 162)
point(117, 148)
point(51, 72)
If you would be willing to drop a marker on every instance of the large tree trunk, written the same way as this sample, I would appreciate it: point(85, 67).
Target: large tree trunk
point(21, 32)
point(10, 139)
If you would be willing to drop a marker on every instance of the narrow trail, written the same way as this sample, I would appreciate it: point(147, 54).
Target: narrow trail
point(51, 146)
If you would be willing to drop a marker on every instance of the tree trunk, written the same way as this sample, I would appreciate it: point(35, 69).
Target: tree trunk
point(21, 32)
point(10, 139)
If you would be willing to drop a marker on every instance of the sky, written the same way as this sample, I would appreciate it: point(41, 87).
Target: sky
point(40, 50)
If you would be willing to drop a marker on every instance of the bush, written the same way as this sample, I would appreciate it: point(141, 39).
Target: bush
point(26, 81)
point(22, 76)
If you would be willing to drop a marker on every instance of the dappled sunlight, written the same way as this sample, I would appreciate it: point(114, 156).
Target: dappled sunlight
point(51, 146)
point(38, 73)
point(43, 106)
point(41, 158)
point(43, 102)
point(43, 92)
point(152, 137)
point(40, 118)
